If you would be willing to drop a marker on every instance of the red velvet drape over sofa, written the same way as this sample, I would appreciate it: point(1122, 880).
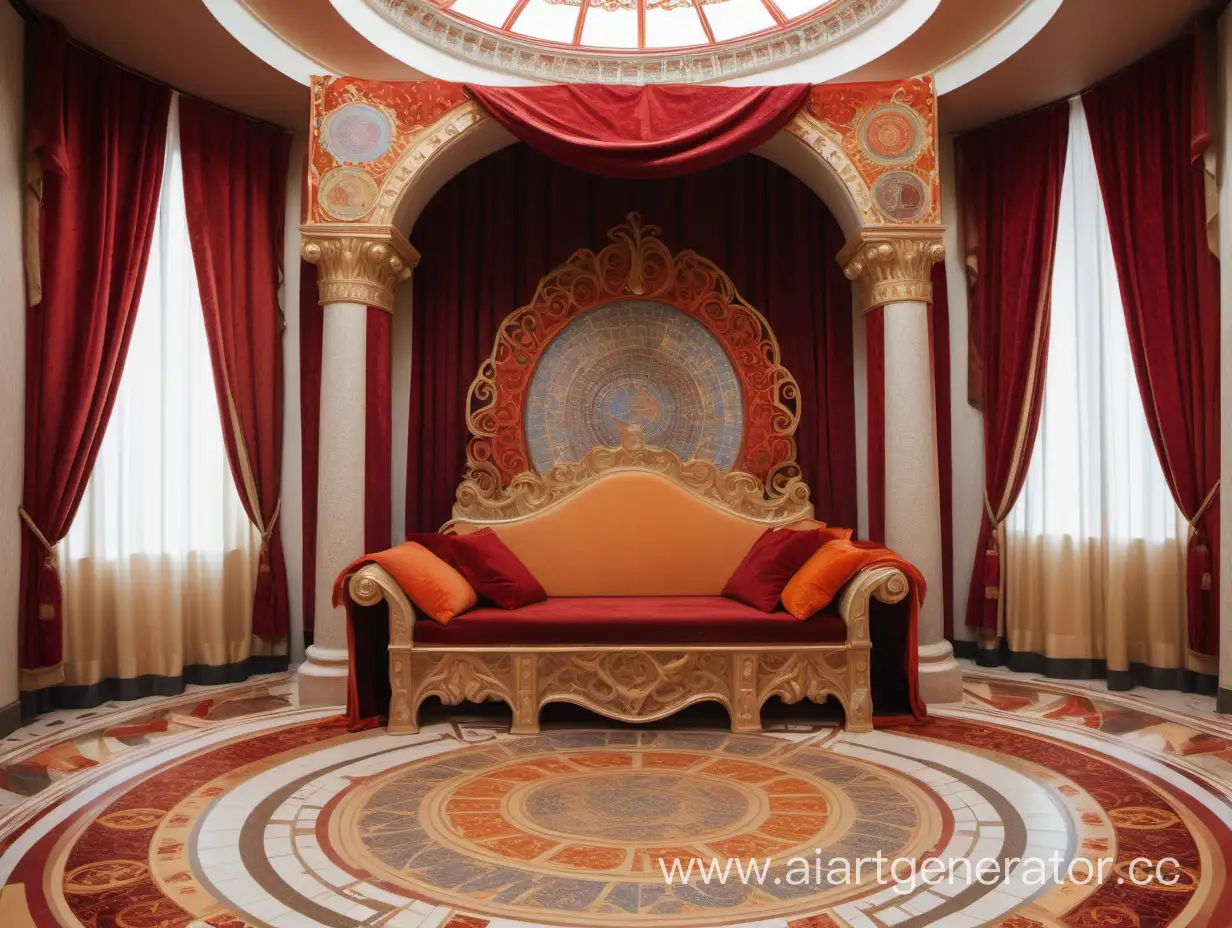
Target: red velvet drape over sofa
point(1149, 132)
point(100, 134)
point(1010, 182)
point(651, 131)
point(493, 231)
point(235, 178)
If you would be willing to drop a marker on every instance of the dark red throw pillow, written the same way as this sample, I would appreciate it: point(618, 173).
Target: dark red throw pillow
point(769, 566)
point(438, 544)
point(494, 571)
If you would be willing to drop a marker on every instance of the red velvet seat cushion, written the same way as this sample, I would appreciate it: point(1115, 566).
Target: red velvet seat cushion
point(631, 620)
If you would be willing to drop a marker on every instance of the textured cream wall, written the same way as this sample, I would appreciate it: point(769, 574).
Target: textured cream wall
point(12, 341)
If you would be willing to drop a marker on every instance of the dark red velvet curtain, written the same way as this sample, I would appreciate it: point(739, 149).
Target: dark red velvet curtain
point(99, 133)
point(939, 349)
point(311, 332)
point(1010, 182)
point(378, 457)
point(658, 130)
point(874, 355)
point(1149, 133)
point(235, 177)
point(494, 230)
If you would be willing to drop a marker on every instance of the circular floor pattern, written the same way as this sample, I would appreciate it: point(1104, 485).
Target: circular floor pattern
point(283, 821)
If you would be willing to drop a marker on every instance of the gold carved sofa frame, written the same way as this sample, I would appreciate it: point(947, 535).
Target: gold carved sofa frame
point(632, 682)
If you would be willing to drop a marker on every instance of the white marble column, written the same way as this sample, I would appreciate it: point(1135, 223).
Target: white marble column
point(357, 267)
point(893, 266)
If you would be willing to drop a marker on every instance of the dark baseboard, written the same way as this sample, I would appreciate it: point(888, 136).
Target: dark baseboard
point(1223, 701)
point(1080, 668)
point(965, 649)
point(10, 718)
point(123, 690)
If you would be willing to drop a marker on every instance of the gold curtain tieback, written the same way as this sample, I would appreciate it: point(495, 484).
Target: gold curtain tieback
point(1206, 504)
point(992, 516)
point(38, 533)
point(267, 531)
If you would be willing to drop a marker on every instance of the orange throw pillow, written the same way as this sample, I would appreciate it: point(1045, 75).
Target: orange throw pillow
point(817, 583)
point(433, 586)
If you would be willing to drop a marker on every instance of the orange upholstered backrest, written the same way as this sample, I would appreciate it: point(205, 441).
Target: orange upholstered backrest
point(630, 533)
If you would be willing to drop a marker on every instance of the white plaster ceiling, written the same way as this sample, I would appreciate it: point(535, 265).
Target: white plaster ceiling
point(991, 58)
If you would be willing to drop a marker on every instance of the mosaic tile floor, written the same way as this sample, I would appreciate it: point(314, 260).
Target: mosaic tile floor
point(233, 808)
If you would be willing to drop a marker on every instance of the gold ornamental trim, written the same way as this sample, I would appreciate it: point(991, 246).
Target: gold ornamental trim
point(481, 497)
point(893, 263)
point(358, 263)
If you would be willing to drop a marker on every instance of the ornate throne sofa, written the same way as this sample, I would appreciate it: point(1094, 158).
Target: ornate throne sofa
point(632, 542)
point(633, 546)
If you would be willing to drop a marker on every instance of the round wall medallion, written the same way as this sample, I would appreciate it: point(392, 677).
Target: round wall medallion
point(892, 134)
point(901, 197)
point(357, 132)
point(347, 193)
point(634, 362)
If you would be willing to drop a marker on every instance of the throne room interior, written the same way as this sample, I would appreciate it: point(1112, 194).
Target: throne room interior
point(615, 463)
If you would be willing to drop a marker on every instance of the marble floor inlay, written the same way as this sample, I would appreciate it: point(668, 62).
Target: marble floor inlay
point(232, 808)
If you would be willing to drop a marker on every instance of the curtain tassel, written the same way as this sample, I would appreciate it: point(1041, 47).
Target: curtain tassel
point(1200, 565)
point(50, 594)
point(992, 564)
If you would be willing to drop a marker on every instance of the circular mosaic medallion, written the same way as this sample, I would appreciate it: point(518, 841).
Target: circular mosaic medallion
point(633, 806)
point(347, 193)
point(901, 196)
point(892, 134)
point(590, 829)
point(634, 362)
point(357, 132)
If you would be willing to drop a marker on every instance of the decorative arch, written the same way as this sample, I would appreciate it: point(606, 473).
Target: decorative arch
point(636, 264)
point(379, 151)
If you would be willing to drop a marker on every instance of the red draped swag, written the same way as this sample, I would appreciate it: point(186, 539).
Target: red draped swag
point(1154, 193)
point(651, 131)
point(98, 133)
point(235, 178)
point(494, 230)
point(1010, 184)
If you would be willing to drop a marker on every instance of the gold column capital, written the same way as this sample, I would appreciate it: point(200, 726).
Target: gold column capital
point(893, 263)
point(357, 263)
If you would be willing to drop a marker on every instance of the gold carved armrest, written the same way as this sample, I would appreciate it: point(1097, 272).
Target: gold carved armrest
point(885, 584)
point(369, 585)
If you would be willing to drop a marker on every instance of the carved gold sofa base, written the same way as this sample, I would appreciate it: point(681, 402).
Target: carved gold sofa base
point(628, 682)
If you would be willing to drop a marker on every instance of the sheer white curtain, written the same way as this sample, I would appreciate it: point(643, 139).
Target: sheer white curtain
point(160, 564)
point(1096, 546)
